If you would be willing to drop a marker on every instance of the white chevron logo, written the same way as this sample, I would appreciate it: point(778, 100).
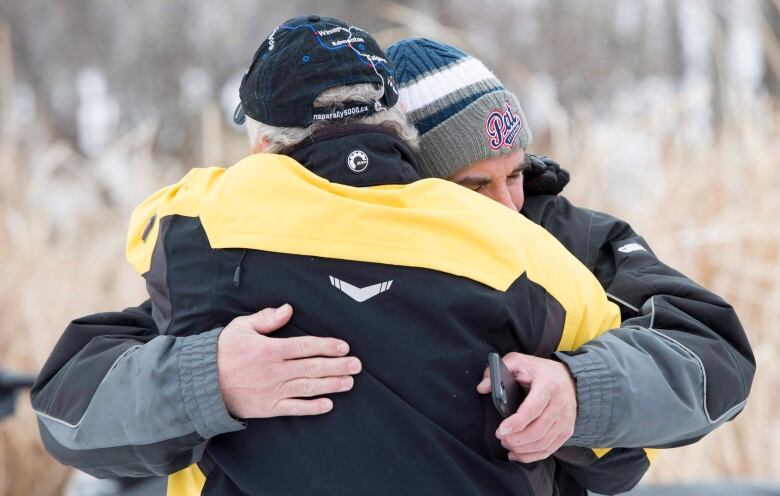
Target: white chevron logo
point(360, 294)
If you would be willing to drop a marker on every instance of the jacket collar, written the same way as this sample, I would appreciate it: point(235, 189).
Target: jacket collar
point(375, 154)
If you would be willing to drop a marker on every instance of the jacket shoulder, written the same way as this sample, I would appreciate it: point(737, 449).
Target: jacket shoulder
point(181, 198)
point(185, 198)
point(585, 233)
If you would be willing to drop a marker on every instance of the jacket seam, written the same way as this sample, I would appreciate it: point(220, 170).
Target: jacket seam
point(504, 313)
point(622, 302)
point(78, 423)
point(587, 242)
point(59, 379)
point(215, 270)
point(164, 241)
point(641, 266)
point(701, 368)
point(165, 464)
point(701, 362)
point(728, 349)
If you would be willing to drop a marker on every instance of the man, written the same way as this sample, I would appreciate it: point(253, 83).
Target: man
point(113, 334)
point(211, 247)
point(680, 364)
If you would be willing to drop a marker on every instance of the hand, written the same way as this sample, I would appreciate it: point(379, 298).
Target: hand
point(543, 176)
point(545, 419)
point(260, 376)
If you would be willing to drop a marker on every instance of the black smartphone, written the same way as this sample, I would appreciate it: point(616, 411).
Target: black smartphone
point(507, 393)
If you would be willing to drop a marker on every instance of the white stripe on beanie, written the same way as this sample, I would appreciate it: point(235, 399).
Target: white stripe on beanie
point(443, 82)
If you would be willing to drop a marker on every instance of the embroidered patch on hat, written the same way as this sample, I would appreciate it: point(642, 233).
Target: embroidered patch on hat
point(502, 127)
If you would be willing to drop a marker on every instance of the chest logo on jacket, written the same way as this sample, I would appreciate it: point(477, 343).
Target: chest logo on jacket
point(357, 161)
point(360, 294)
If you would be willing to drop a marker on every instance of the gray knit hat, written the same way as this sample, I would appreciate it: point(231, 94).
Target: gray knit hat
point(461, 110)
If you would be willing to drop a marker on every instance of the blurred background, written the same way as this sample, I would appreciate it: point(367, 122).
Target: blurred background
point(666, 113)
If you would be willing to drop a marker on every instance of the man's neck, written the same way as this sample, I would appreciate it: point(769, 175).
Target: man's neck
point(357, 155)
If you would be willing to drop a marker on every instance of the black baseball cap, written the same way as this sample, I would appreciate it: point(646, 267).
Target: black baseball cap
point(300, 59)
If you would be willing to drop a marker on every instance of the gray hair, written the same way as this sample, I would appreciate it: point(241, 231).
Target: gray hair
point(280, 138)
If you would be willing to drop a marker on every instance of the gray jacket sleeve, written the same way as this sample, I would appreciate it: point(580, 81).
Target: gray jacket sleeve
point(680, 365)
point(116, 399)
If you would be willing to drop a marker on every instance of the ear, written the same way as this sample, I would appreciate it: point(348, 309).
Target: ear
point(261, 146)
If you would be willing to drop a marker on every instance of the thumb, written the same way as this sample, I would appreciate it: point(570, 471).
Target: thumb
point(484, 385)
point(269, 320)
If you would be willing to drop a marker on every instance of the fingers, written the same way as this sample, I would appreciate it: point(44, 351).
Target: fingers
point(310, 346)
point(531, 408)
point(269, 320)
point(517, 363)
point(484, 386)
point(538, 436)
point(303, 388)
point(546, 418)
point(297, 408)
point(322, 367)
point(522, 366)
point(539, 455)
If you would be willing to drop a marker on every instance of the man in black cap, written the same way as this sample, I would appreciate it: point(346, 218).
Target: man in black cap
point(423, 279)
point(319, 54)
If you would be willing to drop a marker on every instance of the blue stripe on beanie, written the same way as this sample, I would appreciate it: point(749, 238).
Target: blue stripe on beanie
point(426, 124)
point(416, 57)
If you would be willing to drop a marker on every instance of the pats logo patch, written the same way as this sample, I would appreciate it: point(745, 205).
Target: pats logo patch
point(502, 127)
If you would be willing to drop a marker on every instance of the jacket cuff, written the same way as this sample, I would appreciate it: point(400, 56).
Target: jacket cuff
point(595, 396)
point(200, 385)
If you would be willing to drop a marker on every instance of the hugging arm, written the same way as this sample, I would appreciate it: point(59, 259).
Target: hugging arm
point(679, 344)
point(115, 398)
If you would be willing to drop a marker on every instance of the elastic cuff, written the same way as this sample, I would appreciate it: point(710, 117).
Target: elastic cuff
point(595, 396)
point(200, 385)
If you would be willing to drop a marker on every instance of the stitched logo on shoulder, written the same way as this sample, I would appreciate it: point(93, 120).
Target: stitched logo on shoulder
point(360, 294)
point(631, 247)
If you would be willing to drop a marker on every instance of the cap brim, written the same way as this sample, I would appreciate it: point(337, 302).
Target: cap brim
point(239, 116)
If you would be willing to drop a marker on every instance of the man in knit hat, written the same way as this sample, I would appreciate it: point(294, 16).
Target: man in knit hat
point(481, 118)
point(678, 344)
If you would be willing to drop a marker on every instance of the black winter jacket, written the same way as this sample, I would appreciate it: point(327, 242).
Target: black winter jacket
point(674, 333)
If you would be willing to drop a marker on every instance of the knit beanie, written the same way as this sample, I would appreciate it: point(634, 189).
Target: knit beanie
point(461, 110)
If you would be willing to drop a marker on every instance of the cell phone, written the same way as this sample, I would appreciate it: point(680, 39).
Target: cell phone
point(507, 393)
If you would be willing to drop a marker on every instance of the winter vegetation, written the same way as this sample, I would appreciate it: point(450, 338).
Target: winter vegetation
point(667, 114)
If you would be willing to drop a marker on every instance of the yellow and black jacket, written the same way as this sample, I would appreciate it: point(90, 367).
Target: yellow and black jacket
point(423, 280)
point(118, 398)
